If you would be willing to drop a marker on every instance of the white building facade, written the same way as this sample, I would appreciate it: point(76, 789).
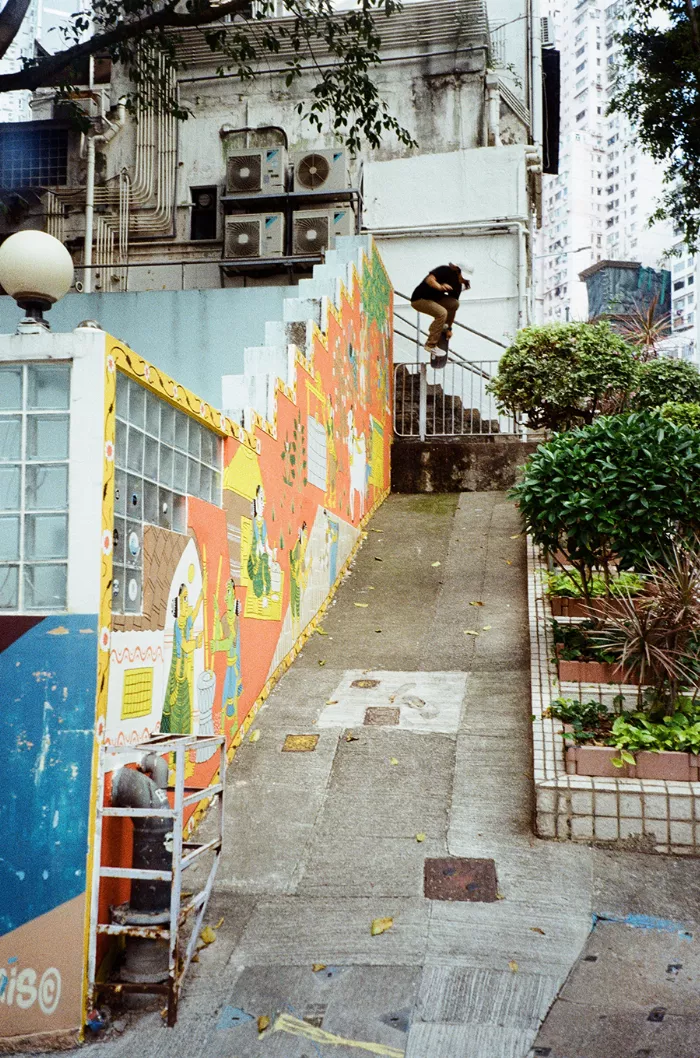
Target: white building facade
point(599, 205)
point(685, 319)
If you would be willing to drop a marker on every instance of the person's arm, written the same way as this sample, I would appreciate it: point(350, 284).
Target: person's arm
point(433, 282)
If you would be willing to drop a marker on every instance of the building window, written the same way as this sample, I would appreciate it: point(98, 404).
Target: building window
point(33, 157)
point(203, 219)
point(34, 428)
point(679, 284)
point(162, 456)
point(581, 115)
point(581, 66)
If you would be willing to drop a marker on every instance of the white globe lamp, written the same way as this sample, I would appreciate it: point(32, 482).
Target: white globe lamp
point(36, 270)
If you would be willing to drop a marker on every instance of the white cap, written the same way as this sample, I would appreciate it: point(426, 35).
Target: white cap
point(465, 268)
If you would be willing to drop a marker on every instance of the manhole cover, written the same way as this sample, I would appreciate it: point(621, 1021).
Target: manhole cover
point(377, 715)
point(460, 879)
point(300, 743)
point(365, 683)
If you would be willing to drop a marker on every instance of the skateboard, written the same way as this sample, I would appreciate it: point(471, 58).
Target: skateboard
point(439, 359)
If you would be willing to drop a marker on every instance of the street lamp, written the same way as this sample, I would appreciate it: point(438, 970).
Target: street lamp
point(36, 270)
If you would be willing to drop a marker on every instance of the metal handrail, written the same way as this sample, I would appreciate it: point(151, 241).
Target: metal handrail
point(464, 327)
point(452, 357)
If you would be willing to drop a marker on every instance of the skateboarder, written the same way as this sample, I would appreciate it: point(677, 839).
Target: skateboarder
point(438, 296)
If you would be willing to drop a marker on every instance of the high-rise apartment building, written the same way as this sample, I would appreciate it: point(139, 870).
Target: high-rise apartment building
point(598, 206)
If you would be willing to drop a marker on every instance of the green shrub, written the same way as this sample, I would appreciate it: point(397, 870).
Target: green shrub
point(623, 486)
point(568, 585)
point(683, 414)
point(564, 374)
point(662, 381)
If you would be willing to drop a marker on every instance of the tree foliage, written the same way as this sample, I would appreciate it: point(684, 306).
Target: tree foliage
point(658, 87)
point(682, 413)
point(563, 374)
point(143, 36)
point(624, 486)
point(664, 380)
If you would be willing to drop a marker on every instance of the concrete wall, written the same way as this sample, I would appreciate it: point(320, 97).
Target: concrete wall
point(480, 464)
point(194, 335)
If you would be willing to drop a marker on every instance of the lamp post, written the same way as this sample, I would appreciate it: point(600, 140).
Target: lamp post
point(36, 270)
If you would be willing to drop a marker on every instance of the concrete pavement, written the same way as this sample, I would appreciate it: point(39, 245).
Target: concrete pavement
point(319, 844)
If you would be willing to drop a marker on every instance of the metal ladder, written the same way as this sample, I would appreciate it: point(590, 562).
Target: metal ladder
point(184, 855)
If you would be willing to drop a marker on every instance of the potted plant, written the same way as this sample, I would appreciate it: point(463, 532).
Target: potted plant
point(566, 596)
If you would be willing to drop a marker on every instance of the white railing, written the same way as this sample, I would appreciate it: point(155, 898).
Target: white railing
point(443, 402)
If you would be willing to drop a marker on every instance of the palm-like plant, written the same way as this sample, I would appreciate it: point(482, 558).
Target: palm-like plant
point(644, 327)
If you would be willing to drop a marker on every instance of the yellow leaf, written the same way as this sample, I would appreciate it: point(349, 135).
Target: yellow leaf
point(420, 837)
point(512, 965)
point(332, 701)
point(477, 602)
point(500, 896)
point(208, 935)
point(515, 536)
point(321, 632)
point(220, 923)
point(254, 736)
point(393, 760)
point(322, 662)
point(371, 587)
point(434, 564)
point(508, 562)
point(380, 925)
point(377, 630)
point(486, 628)
point(536, 929)
point(318, 966)
point(470, 632)
point(352, 738)
point(377, 530)
point(263, 1023)
point(363, 604)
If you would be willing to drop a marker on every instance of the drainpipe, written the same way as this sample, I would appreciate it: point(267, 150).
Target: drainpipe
point(493, 110)
point(89, 214)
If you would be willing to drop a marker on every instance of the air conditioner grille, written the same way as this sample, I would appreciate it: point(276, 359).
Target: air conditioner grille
point(311, 234)
point(244, 174)
point(242, 239)
point(312, 171)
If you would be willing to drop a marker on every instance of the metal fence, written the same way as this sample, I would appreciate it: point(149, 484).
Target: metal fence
point(453, 401)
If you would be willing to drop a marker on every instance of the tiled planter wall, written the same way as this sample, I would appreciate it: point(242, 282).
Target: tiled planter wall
point(656, 814)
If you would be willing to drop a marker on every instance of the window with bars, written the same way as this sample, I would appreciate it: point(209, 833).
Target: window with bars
point(34, 432)
point(33, 157)
point(161, 456)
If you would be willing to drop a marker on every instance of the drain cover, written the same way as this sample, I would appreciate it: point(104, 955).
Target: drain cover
point(460, 879)
point(382, 714)
point(300, 743)
point(365, 683)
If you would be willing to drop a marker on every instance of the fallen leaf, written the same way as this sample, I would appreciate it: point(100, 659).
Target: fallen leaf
point(220, 923)
point(332, 701)
point(376, 530)
point(380, 925)
point(371, 587)
point(393, 760)
point(486, 628)
point(318, 966)
point(515, 536)
point(352, 738)
point(500, 896)
point(263, 1023)
point(195, 957)
point(470, 632)
point(254, 736)
point(321, 632)
point(208, 935)
point(477, 602)
point(536, 929)
point(508, 562)
point(434, 564)
point(322, 661)
point(512, 965)
point(378, 559)
point(363, 604)
point(420, 837)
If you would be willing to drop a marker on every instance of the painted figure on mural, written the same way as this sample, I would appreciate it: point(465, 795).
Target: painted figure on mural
point(357, 465)
point(298, 573)
point(231, 644)
point(179, 693)
point(331, 456)
point(261, 554)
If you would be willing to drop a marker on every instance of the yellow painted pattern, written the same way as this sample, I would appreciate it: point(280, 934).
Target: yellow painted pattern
point(295, 1027)
point(137, 693)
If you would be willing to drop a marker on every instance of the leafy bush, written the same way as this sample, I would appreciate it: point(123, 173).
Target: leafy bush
point(575, 642)
point(618, 489)
point(564, 374)
point(568, 585)
point(588, 720)
point(635, 731)
point(663, 380)
point(683, 414)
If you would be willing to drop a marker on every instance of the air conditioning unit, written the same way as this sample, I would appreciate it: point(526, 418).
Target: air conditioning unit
point(315, 230)
point(253, 235)
point(320, 170)
point(253, 171)
point(547, 32)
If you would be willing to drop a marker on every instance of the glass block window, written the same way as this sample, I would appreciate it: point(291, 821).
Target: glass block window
point(34, 432)
point(161, 457)
point(33, 156)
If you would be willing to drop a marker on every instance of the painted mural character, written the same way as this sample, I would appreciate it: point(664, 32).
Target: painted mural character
point(231, 643)
point(179, 693)
point(357, 464)
point(261, 554)
point(298, 573)
point(331, 455)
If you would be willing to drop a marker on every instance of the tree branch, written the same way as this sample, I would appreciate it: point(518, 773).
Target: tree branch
point(167, 18)
point(10, 20)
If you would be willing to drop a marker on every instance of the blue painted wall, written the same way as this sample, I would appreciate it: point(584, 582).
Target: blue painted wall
point(47, 719)
point(196, 336)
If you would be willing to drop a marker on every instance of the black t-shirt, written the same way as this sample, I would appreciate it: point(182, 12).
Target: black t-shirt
point(443, 274)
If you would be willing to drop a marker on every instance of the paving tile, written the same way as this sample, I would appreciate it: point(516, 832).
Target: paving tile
point(467, 1041)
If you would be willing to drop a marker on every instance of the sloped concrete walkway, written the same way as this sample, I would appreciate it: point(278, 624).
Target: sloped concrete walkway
point(321, 843)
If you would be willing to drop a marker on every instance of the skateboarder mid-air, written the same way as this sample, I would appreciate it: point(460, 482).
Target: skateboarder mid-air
point(438, 296)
